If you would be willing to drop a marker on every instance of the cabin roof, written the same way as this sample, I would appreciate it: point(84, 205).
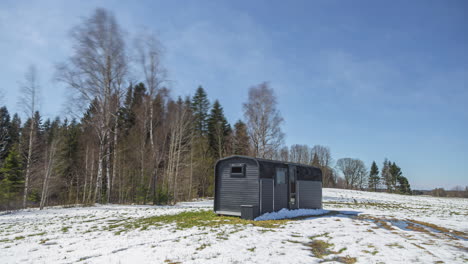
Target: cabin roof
point(261, 160)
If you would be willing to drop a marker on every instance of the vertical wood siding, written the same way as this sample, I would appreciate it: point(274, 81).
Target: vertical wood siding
point(310, 194)
point(267, 195)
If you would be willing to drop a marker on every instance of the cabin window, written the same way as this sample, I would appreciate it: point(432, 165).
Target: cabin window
point(238, 170)
point(280, 176)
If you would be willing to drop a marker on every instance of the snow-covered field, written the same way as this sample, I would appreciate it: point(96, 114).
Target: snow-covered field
point(354, 226)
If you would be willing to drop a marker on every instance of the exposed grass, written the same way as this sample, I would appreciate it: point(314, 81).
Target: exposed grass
point(380, 222)
point(373, 253)
point(37, 234)
point(19, 237)
point(346, 260)
point(293, 241)
point(251, 249)
point(395, 245)
point(320, 248)
point(168, 261)
point(65, 229)
point(201, 218)
point(42, 241)
point(435, 227)
point(202, 246)
point(320, 235)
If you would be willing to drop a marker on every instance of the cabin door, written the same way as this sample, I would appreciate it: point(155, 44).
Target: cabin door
point(292, 187)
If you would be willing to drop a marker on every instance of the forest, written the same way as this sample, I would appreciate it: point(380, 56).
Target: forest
point(127, 140)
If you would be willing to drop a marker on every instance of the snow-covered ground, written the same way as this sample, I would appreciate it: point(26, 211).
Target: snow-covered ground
point(354, 226)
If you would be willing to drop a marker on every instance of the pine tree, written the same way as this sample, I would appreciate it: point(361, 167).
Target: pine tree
point(241, 140)
point(67, 155)
point(5, 139)
point(218, 130)
point(403, 185)
point(374, 177)
point(395, 173)
point(200, 107)
point(15, 130)
point(11, 177)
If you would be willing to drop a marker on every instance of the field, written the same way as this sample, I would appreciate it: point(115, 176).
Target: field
point(355, 227)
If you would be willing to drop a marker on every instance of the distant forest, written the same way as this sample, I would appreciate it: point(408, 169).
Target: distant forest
point(127, 140)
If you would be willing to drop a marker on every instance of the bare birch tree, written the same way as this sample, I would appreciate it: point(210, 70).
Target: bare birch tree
point(50, 160)
point(263, 121)
point(29, 102)
point(96, 72)
point(149, 52)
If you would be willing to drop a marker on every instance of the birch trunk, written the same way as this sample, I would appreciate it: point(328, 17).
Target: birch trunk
point(28, 162)
point(98, 190)
point(85, 176)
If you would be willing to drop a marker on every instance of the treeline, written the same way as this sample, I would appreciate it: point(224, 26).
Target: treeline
point(128, 141)
point(457, 191)
point(348, 173)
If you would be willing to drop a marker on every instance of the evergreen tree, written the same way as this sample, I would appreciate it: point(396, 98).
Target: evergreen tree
point(5, 140)
point(395, 173)
point(241, 140)
point(374, 177)
point(403, 185)
point(218, 130)
point(15, 130)
point(11, 177)
point(67, 155)
point(200, 108)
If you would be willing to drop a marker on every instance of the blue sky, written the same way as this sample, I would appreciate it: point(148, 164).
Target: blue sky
point(369, 79)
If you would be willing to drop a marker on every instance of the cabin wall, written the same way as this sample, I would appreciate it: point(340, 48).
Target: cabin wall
point(232, 192)
point(281, 196)
point(310, 194)
point(266, 191)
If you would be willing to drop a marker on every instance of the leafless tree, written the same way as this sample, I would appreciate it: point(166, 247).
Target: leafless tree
point(263, 121)
point(354, 172)
point(50, 160)
point(96, 73)
point(300, 154)
point(283, 154)
point(29, 102)
point(179, 146)
point(149, 53)
point(322, 155)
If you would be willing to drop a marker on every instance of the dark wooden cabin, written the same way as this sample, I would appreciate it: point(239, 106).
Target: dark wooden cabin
point(248, 187)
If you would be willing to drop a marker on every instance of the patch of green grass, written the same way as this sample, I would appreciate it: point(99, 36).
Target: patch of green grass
point(202, 246)
point(168, 261)
point(373, 253)
point(293, 241)
point(251, 249)
point(319, 248)
point(65, 229)
point(19, 237)
point(346, 260)
point(319, 235)
point(37, 234)
point(4, 240)
point(341, 250)
point(395, 245)
point(201, 218)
